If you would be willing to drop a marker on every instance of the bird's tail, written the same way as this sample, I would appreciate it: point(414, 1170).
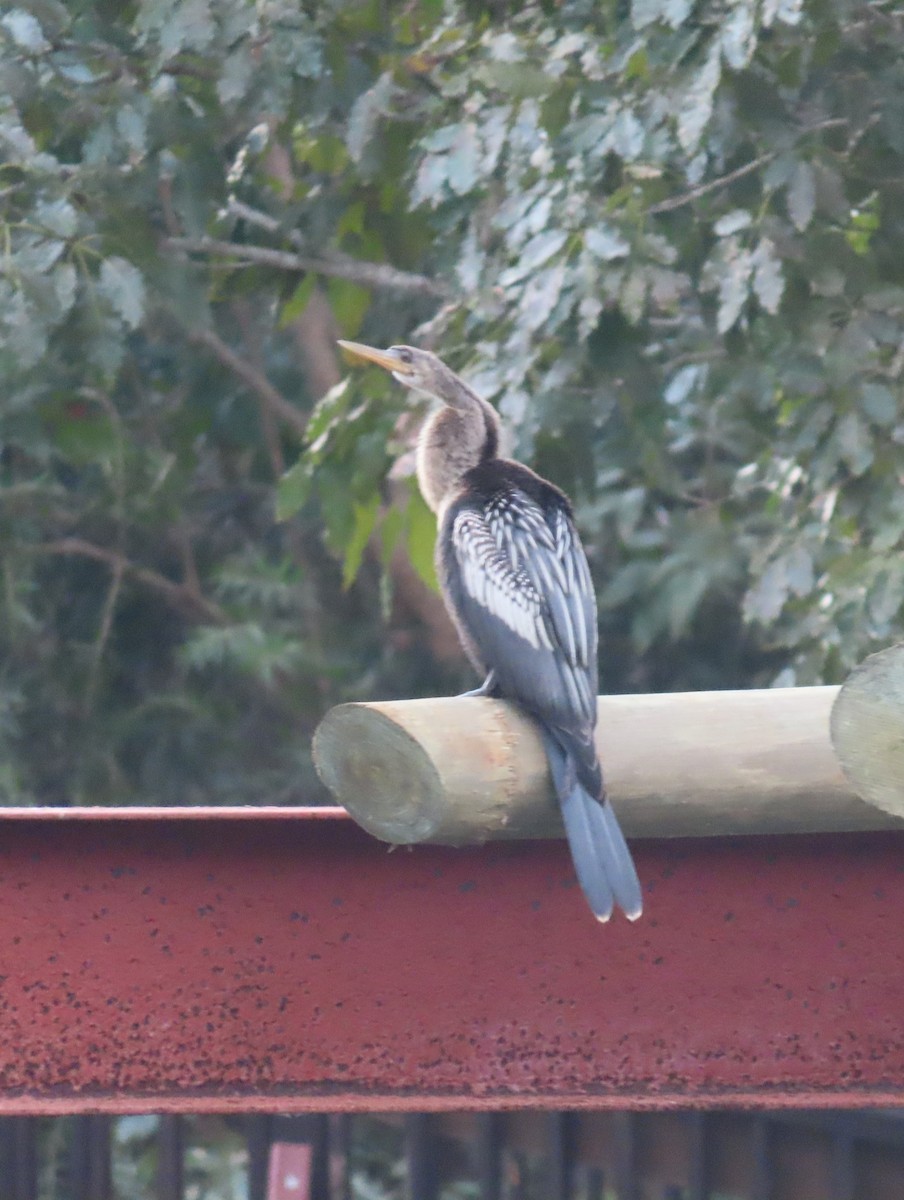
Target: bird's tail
point(602, 860)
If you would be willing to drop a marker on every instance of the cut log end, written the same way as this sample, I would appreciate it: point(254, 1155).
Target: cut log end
point(377, 771)
point(867, 728)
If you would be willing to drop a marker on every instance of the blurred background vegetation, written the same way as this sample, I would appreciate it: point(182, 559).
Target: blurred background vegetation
point(664, 236)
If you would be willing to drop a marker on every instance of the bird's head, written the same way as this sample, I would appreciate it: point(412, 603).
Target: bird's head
point(417, 369)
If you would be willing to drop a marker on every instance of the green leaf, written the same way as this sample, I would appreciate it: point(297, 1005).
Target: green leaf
point(25, 30)
point(768, 276)
point(605, 244)
point(421, 539)
point(633, 294)
point(431, 180)
point(470, 262)
point(787, 11)
point(350, 302)
point(541, 295)
point(85, 436)
point(880, 404)
point(236, 74)
point(364, 521)
point(331, 408)
point(539, 249)
point(698, 100)
point(298, 301)
point(392, 527)
point(802, 196)
point(734, 271)
point(463, 160)
point(58, 216)
point(123, 286)
point(855, 443)
point(293, 490)
point(738, 35)
point(65, 283)
point(766, 597)
point(352, 219)
point(732, 222)
point(131, 125)
point(366, 113)
point(672, 12)
point(864, 222)
point(190, 26)
point(521, 81)
point(683, 382)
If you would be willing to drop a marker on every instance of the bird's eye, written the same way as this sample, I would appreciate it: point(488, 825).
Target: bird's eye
point(405, 354)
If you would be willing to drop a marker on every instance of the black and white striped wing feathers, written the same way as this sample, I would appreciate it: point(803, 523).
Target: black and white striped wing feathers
point(523, 592)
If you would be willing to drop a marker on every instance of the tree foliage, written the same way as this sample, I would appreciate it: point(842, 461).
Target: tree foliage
point(661, 235)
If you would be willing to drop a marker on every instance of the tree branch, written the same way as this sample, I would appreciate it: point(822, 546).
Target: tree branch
point(377, 275)
point(180, 596)
point(713, 185)
point(389, 277)
point(274, 400)
point(254, 216)
point(103, 634)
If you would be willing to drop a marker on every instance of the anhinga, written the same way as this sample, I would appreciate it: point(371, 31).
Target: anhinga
point(516, 582)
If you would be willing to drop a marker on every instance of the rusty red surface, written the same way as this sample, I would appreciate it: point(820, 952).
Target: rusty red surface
point(289, 1173)
point(287, 961)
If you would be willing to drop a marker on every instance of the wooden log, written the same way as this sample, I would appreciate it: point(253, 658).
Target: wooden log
point(459, 770)
point(867, 729)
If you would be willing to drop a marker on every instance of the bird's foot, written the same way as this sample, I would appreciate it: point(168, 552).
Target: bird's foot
point(487, 688)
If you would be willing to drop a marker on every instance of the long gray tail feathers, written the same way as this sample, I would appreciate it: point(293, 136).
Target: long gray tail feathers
point(602, 860)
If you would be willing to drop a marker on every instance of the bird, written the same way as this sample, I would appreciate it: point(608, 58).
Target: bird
point(515, 579)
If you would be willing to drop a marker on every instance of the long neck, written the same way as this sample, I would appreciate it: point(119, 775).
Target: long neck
point(458, 436)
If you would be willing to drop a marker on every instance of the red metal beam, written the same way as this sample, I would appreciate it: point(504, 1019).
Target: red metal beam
point(283, 960)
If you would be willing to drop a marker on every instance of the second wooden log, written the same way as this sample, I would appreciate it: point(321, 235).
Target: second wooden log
point(463, 770)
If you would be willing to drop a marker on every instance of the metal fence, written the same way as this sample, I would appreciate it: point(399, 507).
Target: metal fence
point(724, 1155)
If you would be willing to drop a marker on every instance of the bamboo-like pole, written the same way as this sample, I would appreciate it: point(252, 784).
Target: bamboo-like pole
point(464, 770)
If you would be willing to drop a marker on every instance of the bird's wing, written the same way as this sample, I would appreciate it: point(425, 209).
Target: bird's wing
point(519, 581)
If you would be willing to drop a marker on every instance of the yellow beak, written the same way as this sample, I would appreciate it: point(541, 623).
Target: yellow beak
point(388, 361)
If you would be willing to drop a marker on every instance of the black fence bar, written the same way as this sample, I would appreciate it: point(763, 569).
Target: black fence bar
point(763, 1162)
point(19, 1157)
point(625, 1168)
point(421, 1153)
point(596, 1184)
point(257, 1135)
point(842, 1170)
point(561, 1155)
point(488, 1155)
point(90, 1167)
point(340, 1138)
point(698, 1166)
point(170, 1157)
